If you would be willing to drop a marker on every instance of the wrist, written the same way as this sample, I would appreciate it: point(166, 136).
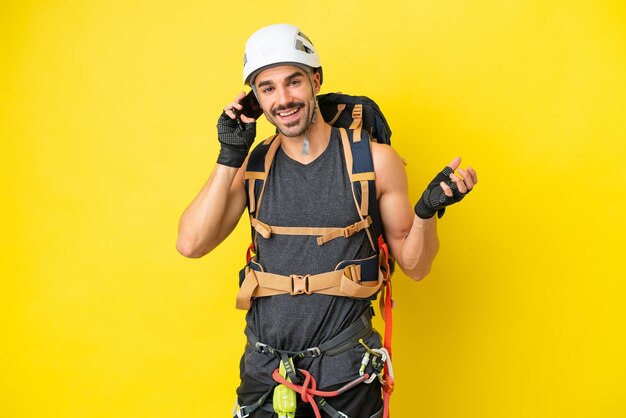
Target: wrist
point(231, 156)
point(422, 211)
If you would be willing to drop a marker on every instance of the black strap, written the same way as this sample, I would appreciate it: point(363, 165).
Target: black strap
point(290, 371)
point(246, 410)
point(344, 341)
point(326, 407)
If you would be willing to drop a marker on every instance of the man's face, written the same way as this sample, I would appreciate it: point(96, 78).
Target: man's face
point(285, 95)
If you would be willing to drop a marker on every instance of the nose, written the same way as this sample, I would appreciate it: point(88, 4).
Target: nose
point(283, 95)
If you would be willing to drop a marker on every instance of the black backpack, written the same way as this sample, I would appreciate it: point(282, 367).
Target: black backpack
point(354, 112)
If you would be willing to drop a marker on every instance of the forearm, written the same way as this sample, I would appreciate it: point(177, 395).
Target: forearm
point(205, 223)
point(419, 248)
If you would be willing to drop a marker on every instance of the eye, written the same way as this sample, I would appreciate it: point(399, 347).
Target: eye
point(295, 82)
point(267, 90)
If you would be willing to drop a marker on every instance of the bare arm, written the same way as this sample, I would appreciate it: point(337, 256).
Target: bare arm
point(215, 211)
point(213, 214)
point(413, 241)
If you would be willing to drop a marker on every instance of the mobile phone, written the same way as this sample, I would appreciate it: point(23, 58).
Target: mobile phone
point(251, 107)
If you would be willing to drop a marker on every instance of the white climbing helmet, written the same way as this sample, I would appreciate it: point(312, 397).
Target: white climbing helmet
point(278, 44)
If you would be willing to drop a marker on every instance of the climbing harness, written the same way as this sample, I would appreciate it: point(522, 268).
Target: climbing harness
point(301, 381)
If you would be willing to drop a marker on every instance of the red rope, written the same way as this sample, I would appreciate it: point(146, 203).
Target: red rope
point(308, 389)
point(249, 252)
point(386, 308)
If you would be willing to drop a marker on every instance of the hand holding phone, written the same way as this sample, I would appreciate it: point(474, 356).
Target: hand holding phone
point(250, 107)
point(236, 136)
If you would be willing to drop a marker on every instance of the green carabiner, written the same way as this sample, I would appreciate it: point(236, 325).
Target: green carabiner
point(284, 396)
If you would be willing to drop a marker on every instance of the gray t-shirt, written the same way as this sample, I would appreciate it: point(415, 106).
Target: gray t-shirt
point(318, 194)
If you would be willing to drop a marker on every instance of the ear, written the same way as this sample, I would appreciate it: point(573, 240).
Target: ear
point(316, 82)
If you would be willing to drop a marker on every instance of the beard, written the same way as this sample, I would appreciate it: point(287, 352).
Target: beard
point(296, 127)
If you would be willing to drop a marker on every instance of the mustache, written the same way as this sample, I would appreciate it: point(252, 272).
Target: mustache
point(288, 106)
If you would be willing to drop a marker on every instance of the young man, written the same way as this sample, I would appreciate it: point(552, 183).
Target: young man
point(308, 192)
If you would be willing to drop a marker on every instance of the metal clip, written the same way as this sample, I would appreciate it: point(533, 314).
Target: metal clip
point(315, 351)
point(263, 348)
point(240, 412)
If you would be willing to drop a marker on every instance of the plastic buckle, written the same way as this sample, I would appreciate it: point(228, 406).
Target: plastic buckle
point(299, 285)
point(348, 231)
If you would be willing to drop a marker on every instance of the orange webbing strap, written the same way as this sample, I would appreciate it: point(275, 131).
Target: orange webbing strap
point(346, 232)
point(324, 234)
point(386, 305)
point(360, 177)
point(252, 176)
point(340, 108)
point(346, 282)
point(274, 144)
point(269, 158)
point(363, 179)
point(357, 121)
point(260, 227)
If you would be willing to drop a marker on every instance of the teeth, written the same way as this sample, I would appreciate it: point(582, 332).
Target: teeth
point(289, 113)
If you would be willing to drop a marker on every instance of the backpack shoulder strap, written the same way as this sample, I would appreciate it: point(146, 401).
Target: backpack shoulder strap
point(257, 169)
point(360, 168)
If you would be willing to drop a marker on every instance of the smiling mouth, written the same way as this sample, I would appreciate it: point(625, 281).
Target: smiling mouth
point(289, 112)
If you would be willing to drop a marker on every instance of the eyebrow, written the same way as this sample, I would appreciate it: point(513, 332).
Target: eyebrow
point(295, 74)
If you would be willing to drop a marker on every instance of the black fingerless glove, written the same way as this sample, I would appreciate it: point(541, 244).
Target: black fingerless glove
point(235, 139)
point(434, 200)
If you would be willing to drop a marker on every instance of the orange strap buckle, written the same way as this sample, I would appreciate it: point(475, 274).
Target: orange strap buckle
point(299, 285)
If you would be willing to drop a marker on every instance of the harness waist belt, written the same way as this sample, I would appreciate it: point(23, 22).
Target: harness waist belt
point(345, 282)
point(345, 340)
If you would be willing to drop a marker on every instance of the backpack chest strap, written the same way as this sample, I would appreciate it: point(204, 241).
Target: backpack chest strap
point(324, 234)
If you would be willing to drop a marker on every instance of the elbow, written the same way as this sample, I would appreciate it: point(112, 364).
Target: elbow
point(418, 274)
point(189, 249)
point(417, 266)
point(421, 274)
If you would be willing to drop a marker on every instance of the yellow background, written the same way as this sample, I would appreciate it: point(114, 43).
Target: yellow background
point(108, 112)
